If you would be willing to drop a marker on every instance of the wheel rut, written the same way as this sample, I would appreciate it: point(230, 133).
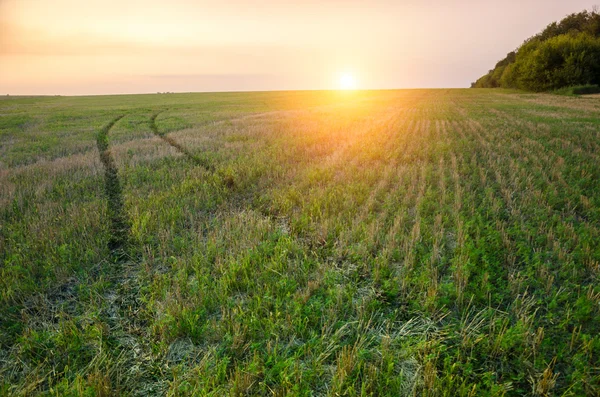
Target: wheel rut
point(119, 224)
point(123, 311)
point(180, 148)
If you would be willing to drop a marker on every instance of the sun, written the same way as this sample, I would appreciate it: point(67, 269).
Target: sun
point(347, 81)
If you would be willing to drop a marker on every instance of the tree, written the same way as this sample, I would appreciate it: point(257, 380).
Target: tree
point(565, 53)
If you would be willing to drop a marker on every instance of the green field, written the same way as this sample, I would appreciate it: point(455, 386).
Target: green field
point(368, 243)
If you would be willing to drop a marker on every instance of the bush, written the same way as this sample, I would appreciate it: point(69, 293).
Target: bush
point(579, 90)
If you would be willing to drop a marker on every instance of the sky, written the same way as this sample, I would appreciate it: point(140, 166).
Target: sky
point(74, 47)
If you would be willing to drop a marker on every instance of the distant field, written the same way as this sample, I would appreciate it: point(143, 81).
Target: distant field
point(401, 243)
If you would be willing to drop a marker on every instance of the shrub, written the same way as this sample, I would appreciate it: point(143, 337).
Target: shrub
point(579, 90)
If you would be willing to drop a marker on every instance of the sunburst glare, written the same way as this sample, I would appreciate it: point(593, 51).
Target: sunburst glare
point(347, 81)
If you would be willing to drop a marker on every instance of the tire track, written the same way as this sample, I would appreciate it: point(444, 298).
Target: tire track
point(119, 224)
point(122, 309)
point(180, 148)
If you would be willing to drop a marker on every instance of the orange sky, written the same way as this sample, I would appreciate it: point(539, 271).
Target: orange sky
point(130, 46)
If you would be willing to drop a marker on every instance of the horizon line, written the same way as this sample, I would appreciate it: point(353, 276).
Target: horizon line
point(234, 91)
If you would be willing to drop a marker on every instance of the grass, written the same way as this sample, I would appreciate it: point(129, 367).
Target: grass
point(579, 90)
point(418, 242)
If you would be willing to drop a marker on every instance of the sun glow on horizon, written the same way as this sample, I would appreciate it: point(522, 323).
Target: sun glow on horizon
point(347, 81)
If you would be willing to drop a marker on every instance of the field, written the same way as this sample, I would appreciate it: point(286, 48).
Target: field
point(368, 243)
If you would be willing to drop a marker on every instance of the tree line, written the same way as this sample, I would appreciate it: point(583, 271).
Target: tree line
point(564, 54)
